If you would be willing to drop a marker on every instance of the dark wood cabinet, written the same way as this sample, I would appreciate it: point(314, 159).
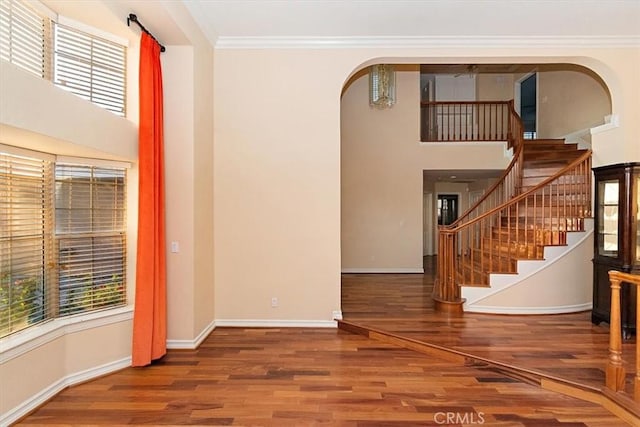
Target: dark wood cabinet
point(617, 239)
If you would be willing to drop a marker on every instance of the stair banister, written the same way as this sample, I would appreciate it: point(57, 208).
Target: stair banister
point(451, 253)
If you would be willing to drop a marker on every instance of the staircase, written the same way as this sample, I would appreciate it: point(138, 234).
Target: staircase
point(543, 219)
point(544, 194)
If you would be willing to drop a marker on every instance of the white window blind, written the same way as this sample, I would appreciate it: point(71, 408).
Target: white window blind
point(84, 64)
point(90, 235)
point(25, 243)
point(90, 67)
point(62, 239)
point(25, 37)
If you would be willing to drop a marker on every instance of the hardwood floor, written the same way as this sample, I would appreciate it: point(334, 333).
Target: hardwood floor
point(300, 377)
point(304, 377)
point(567, 346)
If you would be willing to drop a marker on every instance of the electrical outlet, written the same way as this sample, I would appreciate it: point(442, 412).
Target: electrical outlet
point(274, 302)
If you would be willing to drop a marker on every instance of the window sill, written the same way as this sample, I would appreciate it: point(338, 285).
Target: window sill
point(36, 336)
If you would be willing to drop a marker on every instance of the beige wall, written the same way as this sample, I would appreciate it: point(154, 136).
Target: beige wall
point(276, 184)
point(203, 297)
point(569, 101)
point(179, 147)
point(188, 81)
point(46, 118)
point(494, 87)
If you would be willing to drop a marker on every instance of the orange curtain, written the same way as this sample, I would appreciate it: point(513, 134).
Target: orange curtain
point(150, 312)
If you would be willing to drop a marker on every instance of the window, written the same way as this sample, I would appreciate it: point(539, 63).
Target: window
point(90, 239)
point(24, 35)
point(24, 216)
point(88, 66)
point(62, 240)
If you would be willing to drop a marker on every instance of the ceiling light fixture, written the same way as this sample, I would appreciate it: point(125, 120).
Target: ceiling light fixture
point(382, 86)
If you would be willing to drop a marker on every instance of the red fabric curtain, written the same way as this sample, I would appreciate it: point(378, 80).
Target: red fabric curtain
point(150, 312)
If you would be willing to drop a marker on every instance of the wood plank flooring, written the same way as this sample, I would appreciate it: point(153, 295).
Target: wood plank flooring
point(309, 377)
point(568, 346)
point(300, 377)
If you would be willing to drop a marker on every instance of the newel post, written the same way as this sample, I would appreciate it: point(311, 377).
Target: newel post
point(615, 373)
point(446, 291)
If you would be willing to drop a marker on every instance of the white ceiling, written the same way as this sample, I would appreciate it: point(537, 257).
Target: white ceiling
point(228, 21)
point(413, 18)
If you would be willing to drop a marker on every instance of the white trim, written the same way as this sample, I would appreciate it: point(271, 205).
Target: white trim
point(376, 270)
point(86, 161)
point(581, 137)
point(194, 343)
point(22, 342)
point(258, 323)
point(612, 122)
point(529, 310)
point(587, 41)
point(41, 397)
point(80, 26)
point(337, 314)
point(25, 152)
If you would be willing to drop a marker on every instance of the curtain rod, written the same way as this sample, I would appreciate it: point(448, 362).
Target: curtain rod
point(133, 18)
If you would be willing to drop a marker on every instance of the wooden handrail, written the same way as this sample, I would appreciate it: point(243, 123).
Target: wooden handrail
point(615, 371)
point(531, 191)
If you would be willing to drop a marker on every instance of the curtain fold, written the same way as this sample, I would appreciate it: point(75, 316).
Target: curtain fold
point(150, 312)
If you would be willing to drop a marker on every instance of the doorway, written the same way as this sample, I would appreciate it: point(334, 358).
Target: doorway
point(447, 208)
point(427, 224)
point(527, 104)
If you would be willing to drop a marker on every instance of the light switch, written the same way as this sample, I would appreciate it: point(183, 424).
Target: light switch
point(175, 247)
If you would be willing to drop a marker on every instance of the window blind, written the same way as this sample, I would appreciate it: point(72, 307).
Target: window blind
point(90, 236)
point(25, 244)
point(25, 37)
point(90, 67)
point(86, 65)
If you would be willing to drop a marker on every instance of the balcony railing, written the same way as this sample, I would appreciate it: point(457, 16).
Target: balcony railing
point(466, 121)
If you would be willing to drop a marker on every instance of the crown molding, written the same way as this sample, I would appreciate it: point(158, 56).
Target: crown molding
point(227, 42)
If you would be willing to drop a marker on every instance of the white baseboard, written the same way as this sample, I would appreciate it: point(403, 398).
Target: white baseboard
point(38, 399)
point(561, 309)
point(194, 343)
point(383, 270)
point(259, 323)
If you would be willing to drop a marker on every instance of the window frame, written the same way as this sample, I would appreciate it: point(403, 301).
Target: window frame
point(50, 260)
